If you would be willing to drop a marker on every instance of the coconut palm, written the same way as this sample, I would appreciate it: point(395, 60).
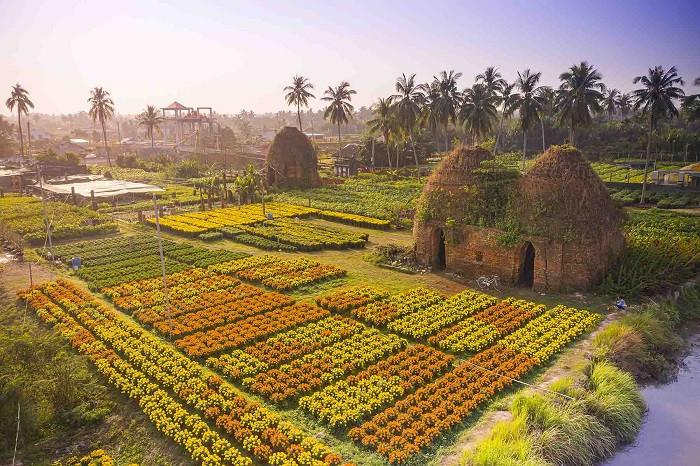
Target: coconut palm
point(528, 103)
point(429, 113)
point(383, 123)
point(102, 109)
point(298, 94)
point(656, 98)
point(339, 109)
point(548, 97)
point(151, 120)
point(478, 112)
point(610, 102)
point(624, 103)
point(407, 107)
point(508, 107)
point(580, 94)
point(447, 100)
point(19, 97)
point(493, 80)
point(691, 104)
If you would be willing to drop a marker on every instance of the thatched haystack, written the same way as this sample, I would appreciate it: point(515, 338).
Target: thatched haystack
point(444, 195)
point(291, 160)
point(562, 197)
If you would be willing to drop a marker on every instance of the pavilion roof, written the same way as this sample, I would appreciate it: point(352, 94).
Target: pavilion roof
point(176, 106)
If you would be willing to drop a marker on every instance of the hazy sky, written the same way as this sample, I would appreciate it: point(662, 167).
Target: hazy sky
point(234, 54)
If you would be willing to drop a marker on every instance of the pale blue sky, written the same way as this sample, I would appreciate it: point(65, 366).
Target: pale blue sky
point(236, 54)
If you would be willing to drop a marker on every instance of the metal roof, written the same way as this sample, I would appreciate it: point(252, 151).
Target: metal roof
point(102, 188)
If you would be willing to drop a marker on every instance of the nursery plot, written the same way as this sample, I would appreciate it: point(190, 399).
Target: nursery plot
point(172, 390)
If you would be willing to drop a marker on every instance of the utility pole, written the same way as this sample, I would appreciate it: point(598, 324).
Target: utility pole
point(160, 251)
point(46, 218)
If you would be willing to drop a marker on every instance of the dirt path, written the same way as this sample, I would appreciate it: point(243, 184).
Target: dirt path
point(15, 275)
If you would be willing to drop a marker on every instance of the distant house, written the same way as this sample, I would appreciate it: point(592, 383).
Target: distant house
point(688, 176)
point(347, 161)
point(64, 147)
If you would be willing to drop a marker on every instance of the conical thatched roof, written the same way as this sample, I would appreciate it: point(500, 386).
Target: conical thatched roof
point(444, 195)
point(562, 198)
point(291, 160)
point(454, 171)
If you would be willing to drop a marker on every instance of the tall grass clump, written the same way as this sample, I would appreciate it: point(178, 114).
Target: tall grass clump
point(566, 434)
point(510, 444)
point(615, 399)
point(642, 343)
point(605, 411)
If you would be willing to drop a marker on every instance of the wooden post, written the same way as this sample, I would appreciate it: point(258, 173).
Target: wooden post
point(201, 199)
point(72, 195)
point(92, 200)
point(224, 194)
point(140, 216)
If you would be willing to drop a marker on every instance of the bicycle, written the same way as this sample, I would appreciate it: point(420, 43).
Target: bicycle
point(488, 281)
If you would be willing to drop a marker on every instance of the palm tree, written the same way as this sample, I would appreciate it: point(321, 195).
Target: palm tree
point(19, 97)
point(548, 98)
point(151, 120)
point(624, 103)
point(383, 123)
point(102, 109)
point(298, 94)
point(478, 111)
point(528, 103)
point(610, 102)
point(691, 104)
point(407, 106)
point(447, 100)
point(493, 80)
point(656, 98)
point(508, 107)
point(580, 94)
point(339, 109)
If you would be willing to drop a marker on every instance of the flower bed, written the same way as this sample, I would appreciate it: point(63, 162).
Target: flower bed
point(171, 389)
point(25, 216)
point(348, 401)
point(324, 365)
point(383, 312)
point(206, 343)
point(349, 298)
point(304, 236)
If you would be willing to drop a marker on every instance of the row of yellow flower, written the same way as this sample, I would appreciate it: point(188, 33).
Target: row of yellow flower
point(382, 312)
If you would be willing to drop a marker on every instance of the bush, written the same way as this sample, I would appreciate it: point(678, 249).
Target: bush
point(550, 430)
point(642, 343)
point(212, 236)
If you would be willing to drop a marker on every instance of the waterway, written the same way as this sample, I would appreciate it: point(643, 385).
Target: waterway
point(670, 435)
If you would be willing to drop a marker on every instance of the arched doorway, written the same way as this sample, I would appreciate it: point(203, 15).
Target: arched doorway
point(439, 255)
point(527, 265)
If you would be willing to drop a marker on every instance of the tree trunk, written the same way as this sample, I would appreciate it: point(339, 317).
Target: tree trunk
point(373, 158)
point(524, 148)
point(498, 135)
point(299, 115)
point(572, 136)
point(339, 147)
point(104, 138)
point(446, 147)
point(21, 137)
point(413, 146)
point(544, 147)
point(646, 161)
point(388, 148)
point(153, 146)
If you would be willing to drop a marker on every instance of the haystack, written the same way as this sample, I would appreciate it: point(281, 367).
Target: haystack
point(444, 195)
point(291, 160)
point(561, 197)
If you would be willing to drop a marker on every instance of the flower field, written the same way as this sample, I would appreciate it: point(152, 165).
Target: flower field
point(172, 390)
point(121, 259)
point(305, 236)
point(391, 372)
point(367, 195)
point(24, 216)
